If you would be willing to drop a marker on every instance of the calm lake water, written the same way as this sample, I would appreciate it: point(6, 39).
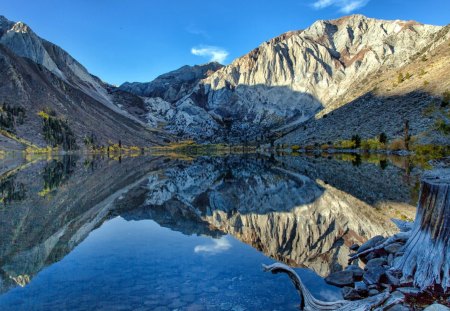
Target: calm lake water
point(161, 233)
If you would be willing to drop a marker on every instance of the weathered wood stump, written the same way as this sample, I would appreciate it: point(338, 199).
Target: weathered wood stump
point(426, 259)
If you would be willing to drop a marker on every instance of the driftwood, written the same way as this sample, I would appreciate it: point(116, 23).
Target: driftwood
point(309, 303)
point(426, 258)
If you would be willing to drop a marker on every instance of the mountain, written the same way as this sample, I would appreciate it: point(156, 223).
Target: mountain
point(335, 79)
point(38, 77)
point(173, 85)
point(299, 75)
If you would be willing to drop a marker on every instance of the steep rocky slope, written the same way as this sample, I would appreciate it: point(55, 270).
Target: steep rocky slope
point(37, 75)
point(291, 78)
point(384, 100)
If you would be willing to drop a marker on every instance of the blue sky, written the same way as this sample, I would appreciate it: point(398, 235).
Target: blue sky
point(136, 40)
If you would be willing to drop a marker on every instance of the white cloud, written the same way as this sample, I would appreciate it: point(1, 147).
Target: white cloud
point(218, 246)
point(344, 6)
point(214, 53)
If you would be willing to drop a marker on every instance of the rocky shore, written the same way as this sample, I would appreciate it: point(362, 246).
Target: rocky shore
point(371, 271)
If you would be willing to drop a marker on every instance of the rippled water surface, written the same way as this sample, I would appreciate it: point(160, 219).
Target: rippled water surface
point(160, 233)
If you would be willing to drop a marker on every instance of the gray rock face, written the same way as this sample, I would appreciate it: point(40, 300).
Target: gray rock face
point(287, 80)
point(173, 85)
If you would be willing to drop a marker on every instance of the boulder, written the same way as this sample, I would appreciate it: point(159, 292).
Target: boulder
point(392, 279)
point(393, 248)
point(341, 278)
point(373, 292)
point(349, 293)
point(357, 271)
point(409, 291)
point(354, 247)
point(371, 243)
point(373, 275)
point(398, 307)
point(376, 262)
point(436, 307)
point(361, 288)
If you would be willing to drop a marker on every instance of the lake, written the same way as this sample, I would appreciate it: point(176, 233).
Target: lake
point(85, 232)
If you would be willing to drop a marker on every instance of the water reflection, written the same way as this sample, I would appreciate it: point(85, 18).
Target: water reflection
point(304, 211)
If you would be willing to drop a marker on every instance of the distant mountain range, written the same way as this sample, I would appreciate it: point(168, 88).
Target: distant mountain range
point(337, 78)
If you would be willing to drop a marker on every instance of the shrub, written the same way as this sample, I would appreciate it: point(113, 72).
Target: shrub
point(407, 76)
point(324, 147)
point(397, 144)
point(345, 144)
point(400, 78)
point(371, 144)
point(442, 126)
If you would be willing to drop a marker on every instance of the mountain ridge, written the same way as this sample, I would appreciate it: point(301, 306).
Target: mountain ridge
point(290, 79)
point(268, 95)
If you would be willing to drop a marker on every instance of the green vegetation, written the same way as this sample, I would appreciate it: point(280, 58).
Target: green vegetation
point(445, 99)
point(401, 78)
point(57, 131)
point(442, 126)
point(10, 117)
point(56, 172)
point(425, 153)
point(10, 190)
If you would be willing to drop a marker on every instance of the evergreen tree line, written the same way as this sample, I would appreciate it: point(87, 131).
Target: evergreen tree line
point(57, 132)
point(11, 116)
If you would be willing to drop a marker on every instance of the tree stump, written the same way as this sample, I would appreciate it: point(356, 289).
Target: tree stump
point(426, 260)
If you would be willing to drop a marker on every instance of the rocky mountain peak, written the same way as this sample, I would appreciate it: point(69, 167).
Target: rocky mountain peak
point(21, 27)
point(173, 85)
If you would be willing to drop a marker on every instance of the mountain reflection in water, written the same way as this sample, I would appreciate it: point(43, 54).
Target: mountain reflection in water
point(303, 211)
